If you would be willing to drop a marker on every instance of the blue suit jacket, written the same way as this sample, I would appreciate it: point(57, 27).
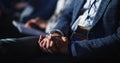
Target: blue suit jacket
point(104, 37)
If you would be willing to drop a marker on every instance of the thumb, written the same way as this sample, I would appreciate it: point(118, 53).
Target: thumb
point(64, 39)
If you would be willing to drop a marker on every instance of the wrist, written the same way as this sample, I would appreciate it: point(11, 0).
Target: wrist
point(58, 32)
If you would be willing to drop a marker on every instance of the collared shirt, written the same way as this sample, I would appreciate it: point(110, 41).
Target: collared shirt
point(86, 19)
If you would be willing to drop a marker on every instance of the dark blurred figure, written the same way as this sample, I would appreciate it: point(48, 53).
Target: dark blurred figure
point(38, 11)
point(13, 9)
point(40, 8)
point(52, 21)
point(7, 9)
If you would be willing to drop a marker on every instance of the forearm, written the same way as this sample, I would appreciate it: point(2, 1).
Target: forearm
point(101, 47)
point(65, 20)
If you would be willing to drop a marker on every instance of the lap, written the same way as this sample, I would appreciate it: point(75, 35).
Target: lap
point(54, 59)
point(19, 48)
point(27, 50)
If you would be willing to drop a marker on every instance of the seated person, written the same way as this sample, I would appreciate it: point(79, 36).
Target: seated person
point(41, 10)
point(88, 29)
point(38, 8)
point(49, 24)
point(9, 9)
point(102, 42)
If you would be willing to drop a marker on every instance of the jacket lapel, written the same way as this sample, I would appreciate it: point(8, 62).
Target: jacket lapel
point(77, 6)
point(101, 10)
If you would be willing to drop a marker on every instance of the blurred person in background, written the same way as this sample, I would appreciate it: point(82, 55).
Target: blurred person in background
point(16, 10)
point(9, 9)
point(39, 8)
point(50, 23)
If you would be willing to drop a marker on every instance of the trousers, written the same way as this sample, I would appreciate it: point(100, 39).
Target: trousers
point(27, 50)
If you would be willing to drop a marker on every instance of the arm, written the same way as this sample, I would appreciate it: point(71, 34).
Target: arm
point(101, 47)
point(65, 20)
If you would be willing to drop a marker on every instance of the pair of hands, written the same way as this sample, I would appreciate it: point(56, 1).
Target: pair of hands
point(54, 43)
point(32, 23)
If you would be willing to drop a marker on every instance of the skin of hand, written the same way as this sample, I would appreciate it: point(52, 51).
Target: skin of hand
point(54, 43)
point(36, 21)
point(21, 5)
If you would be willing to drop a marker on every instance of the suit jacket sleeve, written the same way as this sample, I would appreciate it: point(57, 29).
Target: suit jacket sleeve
point(102, 47)
point(65, 20)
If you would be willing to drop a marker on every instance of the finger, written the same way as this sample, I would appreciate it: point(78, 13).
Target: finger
point(64, 39)
point(49, 36)
point(52, 47)
point(44, 44)
point(41, 46)
point(41, 43)
point(41, 38)
point(48, 43)
point(51, 44)
point(46, 36)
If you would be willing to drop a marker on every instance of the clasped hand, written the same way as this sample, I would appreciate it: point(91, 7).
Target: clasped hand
point(54, 43)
